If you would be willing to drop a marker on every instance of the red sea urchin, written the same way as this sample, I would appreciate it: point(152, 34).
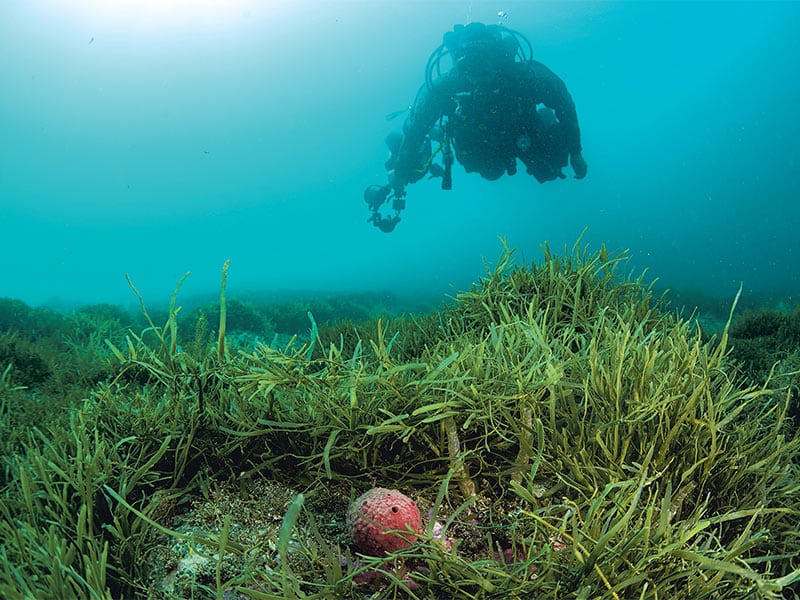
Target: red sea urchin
point(377, 511)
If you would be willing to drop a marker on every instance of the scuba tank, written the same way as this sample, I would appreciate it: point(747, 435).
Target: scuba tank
point(447, 178)
point(447, 158)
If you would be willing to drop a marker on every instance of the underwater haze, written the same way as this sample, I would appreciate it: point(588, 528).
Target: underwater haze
point(155, 138)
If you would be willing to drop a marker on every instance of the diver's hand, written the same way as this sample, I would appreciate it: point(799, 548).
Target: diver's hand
point(398, 183)
point(578, 165)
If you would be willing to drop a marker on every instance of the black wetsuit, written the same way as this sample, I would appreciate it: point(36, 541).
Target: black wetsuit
point(493, 124)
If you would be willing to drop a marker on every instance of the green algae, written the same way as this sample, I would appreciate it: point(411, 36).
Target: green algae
point(574, 437)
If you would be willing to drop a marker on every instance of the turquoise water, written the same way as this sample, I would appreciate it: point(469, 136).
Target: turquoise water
point(155, 138)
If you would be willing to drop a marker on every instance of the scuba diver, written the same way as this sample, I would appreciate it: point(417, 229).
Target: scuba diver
point(490, 105)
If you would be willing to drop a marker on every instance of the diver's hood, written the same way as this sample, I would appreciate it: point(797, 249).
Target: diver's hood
point(477, 38)
point(477, 46)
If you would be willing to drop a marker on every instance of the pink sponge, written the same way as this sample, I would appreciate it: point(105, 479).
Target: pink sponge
point(378, 510)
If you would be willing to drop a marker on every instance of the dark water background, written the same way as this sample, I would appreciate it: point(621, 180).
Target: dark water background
point(155, 138)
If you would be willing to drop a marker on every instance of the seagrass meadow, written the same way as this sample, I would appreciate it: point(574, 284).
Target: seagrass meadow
point(565, 432)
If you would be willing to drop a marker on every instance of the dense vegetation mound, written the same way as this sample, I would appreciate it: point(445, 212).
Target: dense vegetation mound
point(565, 434)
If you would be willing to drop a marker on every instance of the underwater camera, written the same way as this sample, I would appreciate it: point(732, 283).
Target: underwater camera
point(375, 195)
